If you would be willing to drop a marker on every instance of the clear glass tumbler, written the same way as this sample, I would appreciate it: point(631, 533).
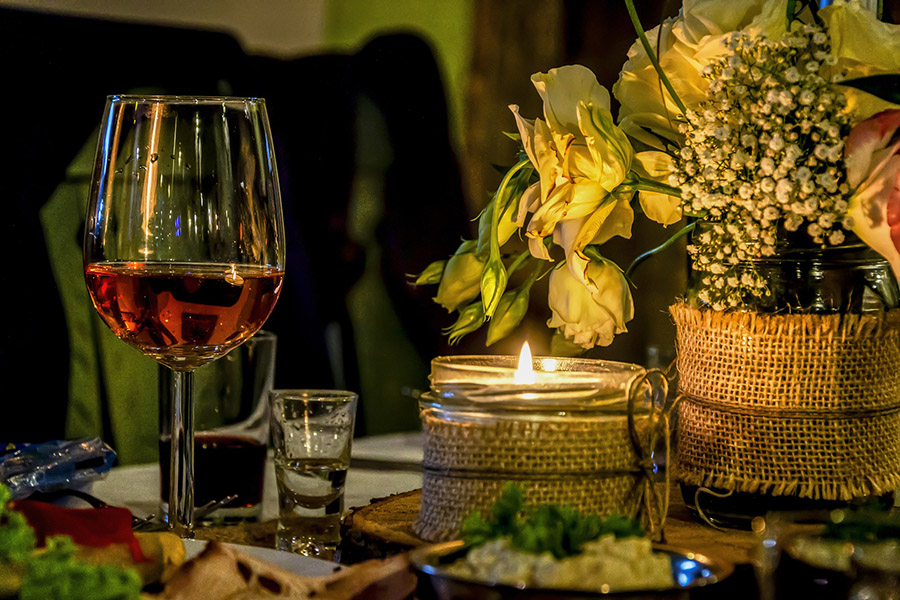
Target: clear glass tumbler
point(312, 432)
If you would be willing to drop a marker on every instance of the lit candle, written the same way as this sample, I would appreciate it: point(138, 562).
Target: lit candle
point(525, 372)
point(511, 380)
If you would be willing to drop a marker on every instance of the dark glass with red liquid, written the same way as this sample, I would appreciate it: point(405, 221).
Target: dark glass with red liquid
point(224, 465)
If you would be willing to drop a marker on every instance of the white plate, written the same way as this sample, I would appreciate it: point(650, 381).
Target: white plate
point(295, 563)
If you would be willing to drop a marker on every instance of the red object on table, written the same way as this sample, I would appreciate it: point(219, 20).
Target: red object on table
point(94, 527)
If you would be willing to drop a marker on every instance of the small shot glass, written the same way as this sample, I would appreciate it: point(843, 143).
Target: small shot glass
point(311, 434)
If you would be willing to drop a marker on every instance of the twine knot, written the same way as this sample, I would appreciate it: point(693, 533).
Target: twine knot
point(652, 385)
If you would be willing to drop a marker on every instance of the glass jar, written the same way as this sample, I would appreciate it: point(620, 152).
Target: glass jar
point(849, 279)
point(570, 433)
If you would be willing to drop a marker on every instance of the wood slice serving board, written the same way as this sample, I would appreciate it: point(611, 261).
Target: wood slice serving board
point(384, 528)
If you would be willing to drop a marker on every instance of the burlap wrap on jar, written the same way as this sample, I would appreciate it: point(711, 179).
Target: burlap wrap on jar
point(806, 405)
point(590, 464)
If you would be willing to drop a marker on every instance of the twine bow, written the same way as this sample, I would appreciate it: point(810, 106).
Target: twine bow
point(654, 504)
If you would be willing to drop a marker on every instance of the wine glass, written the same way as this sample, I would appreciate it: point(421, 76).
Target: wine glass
point(184, 242)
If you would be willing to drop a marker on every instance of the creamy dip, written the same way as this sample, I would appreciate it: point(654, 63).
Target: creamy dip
point(606, 564)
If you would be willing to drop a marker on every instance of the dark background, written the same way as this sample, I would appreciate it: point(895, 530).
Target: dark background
point(59, 70)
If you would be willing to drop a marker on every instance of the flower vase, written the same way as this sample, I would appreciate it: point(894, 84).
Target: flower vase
point(792, 402)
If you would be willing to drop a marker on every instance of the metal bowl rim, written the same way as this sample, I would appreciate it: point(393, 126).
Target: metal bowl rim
point(420, 558)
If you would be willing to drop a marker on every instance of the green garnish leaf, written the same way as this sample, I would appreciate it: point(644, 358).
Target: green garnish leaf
point(560, 530)
point(16, 537)
point(507, 508)
point(476, 530)
point(57, 575)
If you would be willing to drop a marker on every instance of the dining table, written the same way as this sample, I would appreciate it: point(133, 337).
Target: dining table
point(380, 466)
point(385, 471)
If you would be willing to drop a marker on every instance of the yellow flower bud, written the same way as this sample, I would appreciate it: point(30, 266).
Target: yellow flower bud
point(510, 312)
point(560, 345)
point(493, 284)
point(461, 280)
point(507, 225)
point(470, 319)
point(431, 274)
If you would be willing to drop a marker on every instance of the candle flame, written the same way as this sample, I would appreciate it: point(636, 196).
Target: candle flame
point(525, 373)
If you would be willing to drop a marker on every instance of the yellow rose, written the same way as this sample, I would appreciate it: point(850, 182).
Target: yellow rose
point(590, 316)
point(614, 218)
point(862, 45)
point(662, 208)
point(685, 45)
point(580, 156)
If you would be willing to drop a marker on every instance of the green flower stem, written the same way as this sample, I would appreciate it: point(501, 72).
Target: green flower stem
point(668, 243)
point(652, 55)
point(518, 262)
point(639, 184)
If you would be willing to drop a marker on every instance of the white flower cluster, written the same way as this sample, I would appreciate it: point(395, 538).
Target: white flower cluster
point(763, 159)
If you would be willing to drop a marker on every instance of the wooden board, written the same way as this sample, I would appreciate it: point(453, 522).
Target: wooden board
point(384, 528)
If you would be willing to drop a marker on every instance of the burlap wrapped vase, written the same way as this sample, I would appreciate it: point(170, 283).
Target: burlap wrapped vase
point(802, 405)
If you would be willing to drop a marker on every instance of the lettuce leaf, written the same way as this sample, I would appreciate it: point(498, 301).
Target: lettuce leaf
point(54, 573)
point(559, 530)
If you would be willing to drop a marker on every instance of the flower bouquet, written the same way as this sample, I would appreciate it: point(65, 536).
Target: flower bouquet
point(766, 133)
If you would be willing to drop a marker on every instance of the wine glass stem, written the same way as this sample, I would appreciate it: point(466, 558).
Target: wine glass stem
point(181, 465)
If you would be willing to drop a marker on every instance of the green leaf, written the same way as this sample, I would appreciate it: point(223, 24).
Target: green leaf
point(560, 530)
point(791, 11)
point(57, 575)
point(16, 537)
point(886, 87)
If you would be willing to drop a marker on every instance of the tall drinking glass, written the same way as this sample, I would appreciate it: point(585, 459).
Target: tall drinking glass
point(184, 242)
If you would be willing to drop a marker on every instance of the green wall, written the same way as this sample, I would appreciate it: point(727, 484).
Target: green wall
point(389, 365)
point(445, 24)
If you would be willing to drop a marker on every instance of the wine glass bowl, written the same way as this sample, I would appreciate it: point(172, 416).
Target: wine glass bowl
point(183, 314)
point(184, 239)
point(184, 247)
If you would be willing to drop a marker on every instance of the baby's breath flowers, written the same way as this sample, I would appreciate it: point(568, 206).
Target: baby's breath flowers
point(763, 158)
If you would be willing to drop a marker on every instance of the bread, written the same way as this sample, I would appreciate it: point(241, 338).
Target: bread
point(221, 572)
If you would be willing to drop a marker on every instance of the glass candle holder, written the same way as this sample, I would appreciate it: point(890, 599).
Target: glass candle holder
point(572, 431)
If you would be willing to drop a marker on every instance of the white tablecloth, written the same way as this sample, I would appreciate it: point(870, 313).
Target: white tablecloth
point(137, 487)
